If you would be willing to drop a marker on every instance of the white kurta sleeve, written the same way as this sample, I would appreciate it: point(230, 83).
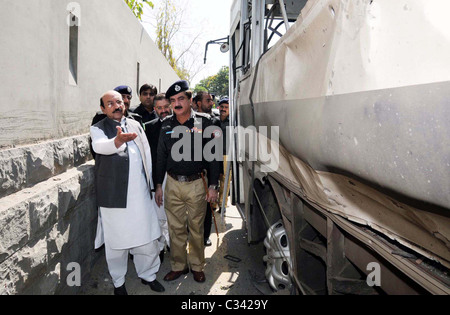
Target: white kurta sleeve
point(102, 145)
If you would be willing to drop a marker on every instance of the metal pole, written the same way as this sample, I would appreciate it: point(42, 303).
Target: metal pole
point(283, 11)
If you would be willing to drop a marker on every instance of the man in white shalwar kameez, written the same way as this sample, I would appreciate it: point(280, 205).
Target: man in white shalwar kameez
point(128, 221)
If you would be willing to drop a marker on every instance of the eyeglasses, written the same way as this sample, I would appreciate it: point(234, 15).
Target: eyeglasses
point(111, 103)
point(128, 97)
point(162, 107)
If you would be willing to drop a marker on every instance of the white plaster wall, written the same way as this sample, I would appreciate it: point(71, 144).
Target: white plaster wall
point(37, 102)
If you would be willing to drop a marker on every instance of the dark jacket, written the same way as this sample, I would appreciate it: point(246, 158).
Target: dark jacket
point(146, 116)
point(225, 125)
point(111, 186)
point(152, 130)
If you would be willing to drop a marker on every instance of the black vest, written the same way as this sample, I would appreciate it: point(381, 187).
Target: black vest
point(111, 171)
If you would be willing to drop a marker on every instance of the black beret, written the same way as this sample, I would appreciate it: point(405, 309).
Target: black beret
point(177, 87)
point(124, 89)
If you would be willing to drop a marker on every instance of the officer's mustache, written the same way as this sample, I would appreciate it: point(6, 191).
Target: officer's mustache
point(178, 107)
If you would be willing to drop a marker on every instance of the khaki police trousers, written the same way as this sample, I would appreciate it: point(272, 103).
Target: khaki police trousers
point(185, 206)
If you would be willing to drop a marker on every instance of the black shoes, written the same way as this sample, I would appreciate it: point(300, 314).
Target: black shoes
point(154, 285)
point(120, 290)
point(208, 242)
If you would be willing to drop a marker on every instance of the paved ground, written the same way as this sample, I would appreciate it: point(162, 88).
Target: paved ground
point(223, 276)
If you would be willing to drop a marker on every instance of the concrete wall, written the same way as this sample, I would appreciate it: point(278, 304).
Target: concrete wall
point(48, 210)
point(37, 101)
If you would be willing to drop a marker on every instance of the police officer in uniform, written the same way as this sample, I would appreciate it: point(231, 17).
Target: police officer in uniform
point(185, 196)
point(153, 127)
point(224, 109)
point(152, 130)
point(204, 102)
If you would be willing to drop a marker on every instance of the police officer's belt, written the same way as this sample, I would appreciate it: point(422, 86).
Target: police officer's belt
point(183, 178)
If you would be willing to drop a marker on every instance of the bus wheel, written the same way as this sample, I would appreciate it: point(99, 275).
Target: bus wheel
point(278, 257)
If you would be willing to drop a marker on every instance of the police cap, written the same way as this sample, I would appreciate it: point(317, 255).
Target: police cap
point(177, 87)
point(124, 89)
point(224, 100)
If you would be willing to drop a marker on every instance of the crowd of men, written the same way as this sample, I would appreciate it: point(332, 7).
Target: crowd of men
point(156, 189)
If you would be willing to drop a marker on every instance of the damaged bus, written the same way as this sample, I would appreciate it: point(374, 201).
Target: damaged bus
point(354, 98)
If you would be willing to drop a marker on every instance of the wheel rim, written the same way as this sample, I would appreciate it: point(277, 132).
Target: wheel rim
point(278, 257)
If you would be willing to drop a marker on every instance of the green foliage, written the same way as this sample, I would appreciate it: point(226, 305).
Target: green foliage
point(137, 7)
point(217, 84)
point(182, 73)
point(199, 88)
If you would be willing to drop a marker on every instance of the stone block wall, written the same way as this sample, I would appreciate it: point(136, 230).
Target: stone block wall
point(47, 201)
point(48, 216)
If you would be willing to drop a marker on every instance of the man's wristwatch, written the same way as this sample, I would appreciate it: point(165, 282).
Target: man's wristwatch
point(213, 187)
